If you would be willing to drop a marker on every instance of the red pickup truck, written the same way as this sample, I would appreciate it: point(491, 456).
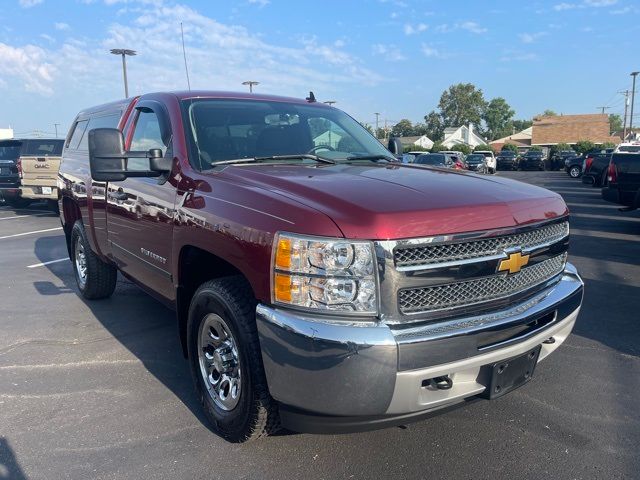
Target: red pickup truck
point(318, 283)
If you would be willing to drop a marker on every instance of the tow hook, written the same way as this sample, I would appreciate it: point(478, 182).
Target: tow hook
point(441, 383)
point(550, 341)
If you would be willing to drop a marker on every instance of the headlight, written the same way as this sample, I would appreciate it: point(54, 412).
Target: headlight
point(324, 274)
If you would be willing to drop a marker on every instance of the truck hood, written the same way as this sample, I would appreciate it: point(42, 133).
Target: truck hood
point(401, 201)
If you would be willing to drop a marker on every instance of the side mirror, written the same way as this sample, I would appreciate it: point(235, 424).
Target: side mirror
point(395, 146)
point(108, 159)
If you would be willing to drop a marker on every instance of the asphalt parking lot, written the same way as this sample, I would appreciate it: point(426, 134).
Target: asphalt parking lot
point(101, 390)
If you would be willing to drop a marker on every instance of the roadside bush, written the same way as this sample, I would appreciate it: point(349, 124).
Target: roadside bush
point(465, 149)
point(535, 148)
point(608, 144)
point(437, 147)
point(414, 148)
point(583, 146)
point(483, 147)
point(510, 146)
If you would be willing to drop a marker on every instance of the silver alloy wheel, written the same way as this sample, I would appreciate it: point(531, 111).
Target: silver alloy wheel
point(81, 263)
point(574, 172)
point(219, 362)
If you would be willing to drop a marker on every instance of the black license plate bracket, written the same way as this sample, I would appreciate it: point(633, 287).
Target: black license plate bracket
point(509, 374)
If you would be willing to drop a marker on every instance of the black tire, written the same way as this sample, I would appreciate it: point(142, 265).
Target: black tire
point(256, 414)
point(575, 171)
point(99, 277)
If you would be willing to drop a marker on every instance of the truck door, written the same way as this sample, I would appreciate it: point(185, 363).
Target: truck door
point(140, 211)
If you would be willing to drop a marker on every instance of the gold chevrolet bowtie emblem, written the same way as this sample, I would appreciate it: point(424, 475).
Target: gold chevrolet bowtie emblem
point(514, 263)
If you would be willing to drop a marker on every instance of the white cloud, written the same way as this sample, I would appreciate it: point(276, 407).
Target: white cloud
point(28, 64)
point(260, 3)
point(414, 29)
point(61, 26)
point(431, 51)
point(584, 4)
point(531, 37)
point(29, 3)
point(390, 52)
point(473, 27)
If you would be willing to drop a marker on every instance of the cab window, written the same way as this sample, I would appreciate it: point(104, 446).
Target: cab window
point(78, 131)
point(146, 135)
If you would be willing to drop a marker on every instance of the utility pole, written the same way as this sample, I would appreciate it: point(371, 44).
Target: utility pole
point(624, 122)
point(633, 98)
point(377, 123)
point(124, 52)
point(56, 127)
point(251, 83)
point(603, 109)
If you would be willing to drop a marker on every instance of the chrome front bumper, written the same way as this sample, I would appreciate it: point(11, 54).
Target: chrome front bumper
point(357, 368)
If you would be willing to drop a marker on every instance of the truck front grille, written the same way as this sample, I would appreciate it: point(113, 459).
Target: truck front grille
point(409, 256)
point(471, 292)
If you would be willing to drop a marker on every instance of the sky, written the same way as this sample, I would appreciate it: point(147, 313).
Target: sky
point(394, 57)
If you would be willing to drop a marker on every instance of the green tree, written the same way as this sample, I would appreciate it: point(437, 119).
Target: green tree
point(462, 104)
point(510, 146)
point(404, 128)
point(434, 127)
point(519, 125)
point(583, 146)
point(381, 133)
point(497, 118)
point(548, 113)
point(414, 148)
point(483, 147)
point(368, 127)
point(615, 123)
point(535, 148)
point(608, 145)
point(437, 147)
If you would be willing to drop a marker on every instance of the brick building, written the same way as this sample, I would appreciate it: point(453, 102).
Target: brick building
point(551, 130)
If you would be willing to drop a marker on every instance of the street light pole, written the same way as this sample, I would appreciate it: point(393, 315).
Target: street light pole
point(251, 83)
point(633, 98)
point(124, 52)
point(377, 123)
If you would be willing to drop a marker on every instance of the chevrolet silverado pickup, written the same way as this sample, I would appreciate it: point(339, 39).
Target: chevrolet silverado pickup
point(319, 284)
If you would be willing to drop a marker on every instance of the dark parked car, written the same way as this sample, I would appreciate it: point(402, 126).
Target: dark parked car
point(595, 166)
point(623, 180)
point(435, 160)
point(507, 160)
point(556, 162)
point(573, 166)
point(9, 174)
point(477, 162)
point(532, 160)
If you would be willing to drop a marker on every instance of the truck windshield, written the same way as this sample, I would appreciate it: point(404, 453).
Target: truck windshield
point(221, 130)
point(10, 149)
point(432, 159)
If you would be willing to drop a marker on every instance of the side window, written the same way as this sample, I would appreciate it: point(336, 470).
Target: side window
point(146, 135)
point(78, 131)
point(104, 121)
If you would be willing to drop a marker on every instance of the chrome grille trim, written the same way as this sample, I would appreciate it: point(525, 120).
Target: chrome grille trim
point(476, 291)
point(443, 254)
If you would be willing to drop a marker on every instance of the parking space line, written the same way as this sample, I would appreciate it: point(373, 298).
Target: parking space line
point(23, 216)
point(31, 233)
point(36, 265)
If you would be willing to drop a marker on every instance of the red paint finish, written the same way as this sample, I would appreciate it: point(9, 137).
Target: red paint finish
point(233, 212)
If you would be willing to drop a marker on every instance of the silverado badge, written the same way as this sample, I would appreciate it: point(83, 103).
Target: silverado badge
point(513, 263)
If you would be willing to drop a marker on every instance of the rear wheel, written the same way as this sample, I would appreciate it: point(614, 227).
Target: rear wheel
point(226, 361)
point(574, 171)
point(95, 278)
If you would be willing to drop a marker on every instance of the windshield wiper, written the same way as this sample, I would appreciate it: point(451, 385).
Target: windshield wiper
point(302, 156)
point(372, 158)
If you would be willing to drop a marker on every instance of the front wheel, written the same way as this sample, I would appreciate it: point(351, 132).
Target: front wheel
point(574, 172)
point(226, 362)
point(95, 278)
